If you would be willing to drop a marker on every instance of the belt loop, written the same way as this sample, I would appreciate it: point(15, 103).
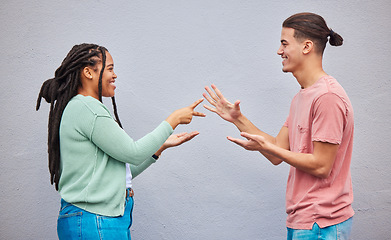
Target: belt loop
point(129, 192)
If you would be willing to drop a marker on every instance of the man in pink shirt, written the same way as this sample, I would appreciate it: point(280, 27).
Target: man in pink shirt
point(316, 139)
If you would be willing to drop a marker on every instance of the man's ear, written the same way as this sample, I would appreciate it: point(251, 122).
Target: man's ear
point(308, 46)
point(87, 72)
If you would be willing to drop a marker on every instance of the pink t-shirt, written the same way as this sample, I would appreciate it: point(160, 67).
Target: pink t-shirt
point(322, 112)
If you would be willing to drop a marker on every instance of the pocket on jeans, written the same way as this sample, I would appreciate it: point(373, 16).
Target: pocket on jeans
point(69, 223)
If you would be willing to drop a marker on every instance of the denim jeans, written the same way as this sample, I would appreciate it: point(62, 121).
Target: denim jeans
point(76, 223)
point(339, 231)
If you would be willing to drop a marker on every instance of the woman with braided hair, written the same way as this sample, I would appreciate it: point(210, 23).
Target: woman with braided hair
point(91, 158)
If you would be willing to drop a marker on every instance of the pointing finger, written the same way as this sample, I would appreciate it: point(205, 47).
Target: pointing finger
point(195, 104)
point(198, 114)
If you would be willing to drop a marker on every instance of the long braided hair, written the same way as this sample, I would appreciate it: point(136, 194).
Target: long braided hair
point(58, 91)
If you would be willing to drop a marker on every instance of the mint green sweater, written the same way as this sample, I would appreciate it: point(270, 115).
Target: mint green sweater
point(94, 150)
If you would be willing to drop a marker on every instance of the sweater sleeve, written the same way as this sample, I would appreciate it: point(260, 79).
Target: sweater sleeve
point(137, 170)
point(115, 142)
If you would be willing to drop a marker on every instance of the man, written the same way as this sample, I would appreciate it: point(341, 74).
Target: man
point(316, 139)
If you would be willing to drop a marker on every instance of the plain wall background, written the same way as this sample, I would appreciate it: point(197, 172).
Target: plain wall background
point(165, 52)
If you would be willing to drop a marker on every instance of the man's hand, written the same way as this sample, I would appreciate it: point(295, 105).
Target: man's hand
point(253, 142)
point(221, 106)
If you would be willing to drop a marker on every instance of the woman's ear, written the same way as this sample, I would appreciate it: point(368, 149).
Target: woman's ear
point(308, 46)
point(87, 72)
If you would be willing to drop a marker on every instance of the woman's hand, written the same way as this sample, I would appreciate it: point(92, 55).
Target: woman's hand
point(176, 140)
point(184, 115)
point(222, 107)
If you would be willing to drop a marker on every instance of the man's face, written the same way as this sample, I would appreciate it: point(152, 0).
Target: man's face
point(290, 51)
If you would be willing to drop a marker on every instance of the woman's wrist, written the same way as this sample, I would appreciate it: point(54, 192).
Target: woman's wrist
point(172, 120)
point(159, 152)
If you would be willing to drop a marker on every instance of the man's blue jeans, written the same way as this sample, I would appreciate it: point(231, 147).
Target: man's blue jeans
point(339, 231)
point(75, 223)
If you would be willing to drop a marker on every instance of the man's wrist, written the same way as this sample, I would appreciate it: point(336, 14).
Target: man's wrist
point(240, 122)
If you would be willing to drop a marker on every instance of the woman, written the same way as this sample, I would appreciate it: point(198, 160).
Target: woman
point(90, 156)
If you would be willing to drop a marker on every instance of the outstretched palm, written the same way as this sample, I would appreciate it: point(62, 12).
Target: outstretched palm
point(178, 139)
point(226, 110)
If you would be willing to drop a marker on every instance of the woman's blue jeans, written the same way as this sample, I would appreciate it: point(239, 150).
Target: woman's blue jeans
point(339, 231)
point(76, 223)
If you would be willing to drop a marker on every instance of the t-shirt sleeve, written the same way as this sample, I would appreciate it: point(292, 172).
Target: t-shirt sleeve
point(329, 119)
point(286, 122)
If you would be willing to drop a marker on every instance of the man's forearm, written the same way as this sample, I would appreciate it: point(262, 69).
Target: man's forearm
point(318, 164)
point(245, 125)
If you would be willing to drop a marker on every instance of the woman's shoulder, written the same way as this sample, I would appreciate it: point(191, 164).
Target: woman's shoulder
point(81, 103)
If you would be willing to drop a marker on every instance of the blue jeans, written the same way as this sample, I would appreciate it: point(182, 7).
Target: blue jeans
point(339, 231)
point(76, 223)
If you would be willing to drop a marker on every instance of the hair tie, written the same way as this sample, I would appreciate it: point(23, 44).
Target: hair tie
point(331, 32)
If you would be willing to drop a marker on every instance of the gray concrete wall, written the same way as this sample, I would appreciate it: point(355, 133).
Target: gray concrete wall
point(165, 52)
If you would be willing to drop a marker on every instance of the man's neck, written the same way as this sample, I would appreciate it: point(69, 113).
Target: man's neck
point(309, 74)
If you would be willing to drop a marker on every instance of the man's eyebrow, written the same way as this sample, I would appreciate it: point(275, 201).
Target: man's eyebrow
point(283, 41)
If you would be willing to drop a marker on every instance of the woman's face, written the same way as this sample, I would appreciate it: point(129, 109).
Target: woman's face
point(108, 77)
point(90, 79)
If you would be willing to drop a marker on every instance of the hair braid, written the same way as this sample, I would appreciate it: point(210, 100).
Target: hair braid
point(58, 91)
point(101, 73)
point(115, 111)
